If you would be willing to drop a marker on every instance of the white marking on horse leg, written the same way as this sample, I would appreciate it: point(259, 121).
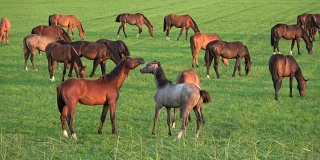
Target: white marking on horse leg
point(208, 76)
point(65, 133)
point(74, 136)
point(179, 135)
point(279, 53)
point(118, 36)
point(52, 79)
point(274, 52)
point(167, 38)
point(138, 35)
point(290, 52)
point(174, 125)
point(26, 68)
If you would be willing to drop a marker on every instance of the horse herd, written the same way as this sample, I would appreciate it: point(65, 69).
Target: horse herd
point(186, 94)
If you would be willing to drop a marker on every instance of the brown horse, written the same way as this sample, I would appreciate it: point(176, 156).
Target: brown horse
point(301, 20)
point(281, 66)
point(293, 32)
point(116, 47)
point(5, 26)
point(312, 26)
point(186, 76)
point(199, 41)
point(69, 21)
point(137, 19)
point(228, 50)
point(57, 52)
point(34, 41)
point(187, 96)
point(103, 91)
point(180, 21)
point(98, 52)
point(51, 30)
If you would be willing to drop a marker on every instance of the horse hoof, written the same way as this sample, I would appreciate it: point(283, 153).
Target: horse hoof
point(168, 38)
point(26, 68)
point(74, 136)
point(65, 133)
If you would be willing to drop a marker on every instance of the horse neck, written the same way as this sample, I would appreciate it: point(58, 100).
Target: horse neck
point(247, 58)
point(117, 75)
point(147, 22)
point(194, 25)
point(160, 77)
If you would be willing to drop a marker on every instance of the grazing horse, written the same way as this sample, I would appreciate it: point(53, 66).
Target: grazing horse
point(186, 76)
point(187, 96)
point(116, 47)
point(69, 21)
point(103, 91)
point(137, 19)
point(180, 21)
point(34, 41)
point(228, 50)
point(281, 66)
point(312, 26)
point(57, 52)
point(51, 30)
point(293, 32)
point(301, 20)
point(5, 26)
point(199, 41)
point(96, 51)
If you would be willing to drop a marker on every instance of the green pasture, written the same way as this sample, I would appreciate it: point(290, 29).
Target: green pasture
point(243, 121)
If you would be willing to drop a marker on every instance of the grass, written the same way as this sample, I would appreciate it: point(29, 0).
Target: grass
point(242, 122)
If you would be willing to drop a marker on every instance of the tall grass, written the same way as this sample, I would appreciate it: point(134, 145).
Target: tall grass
point(242, 122)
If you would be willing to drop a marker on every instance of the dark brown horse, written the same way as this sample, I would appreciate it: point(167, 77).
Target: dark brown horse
point(312, 25)
point(301, 20)
point(187, 96)
point(57, 52)
point(103, 91)
point(5, 27)
point(289, 32)
point(32, 42)
point(186, 76)
point(281, 66)
point(116, 47)
point(69, 21)
point(199, 41)
point(98, 52)
point(180, 21)
point(137, 19)
point(229, 50)
point(51, 30)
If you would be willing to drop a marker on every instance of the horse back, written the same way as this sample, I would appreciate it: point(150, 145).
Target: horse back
point(5, 24)
point(281, 66)
point(188, 76)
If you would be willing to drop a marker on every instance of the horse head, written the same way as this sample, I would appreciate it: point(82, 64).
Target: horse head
point(132, 63)
point(151, 67)
point(302, 86)
point(248, 67)
point(151, 31)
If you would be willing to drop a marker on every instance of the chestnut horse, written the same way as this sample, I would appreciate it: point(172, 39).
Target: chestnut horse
point(186, 76)
point(137, 19)
point(34, 41)
point(312, 25)
point(180, 21)
point(293, 32)
point(187, 96)
point(281, 66)
point(116, 47)
point(103, 91)
point(5, 26)
point(228, 50)
point(69, 21)
point(98, 52)
point(51, 30)
point(62, 52)
point(199, 41)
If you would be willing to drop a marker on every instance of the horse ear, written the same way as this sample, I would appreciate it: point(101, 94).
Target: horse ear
point(123, 56)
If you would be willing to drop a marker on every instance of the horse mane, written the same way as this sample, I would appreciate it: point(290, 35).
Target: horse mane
point(76, 57)
point(114, 73)
point(194, 22)
point(146, 19)
point(161, 78)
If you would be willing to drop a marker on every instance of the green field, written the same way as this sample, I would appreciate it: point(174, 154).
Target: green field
point(243, 121)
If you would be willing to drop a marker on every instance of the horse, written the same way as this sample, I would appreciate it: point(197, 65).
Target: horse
point(5, 26)
point(293, 32)
point(301, 20)
point(64, 52)
point(137, 19)
point(51, 30)
point(312, 26)
point(199, 41)
point(103, 91)
point(228, 50)
point(34, 41)
point(69, 21)
point(116, 47)
point(96, 51)
point(281, 66)
point(186, 76)
point(180, 21)
point(187, 96)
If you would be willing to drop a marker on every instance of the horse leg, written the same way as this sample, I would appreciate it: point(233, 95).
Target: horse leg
point(63, 119)
point(32, 60)
point(298, 45)
point(197, 111)
point(113, 116)
point(70, 116)
point(72, 32)
point(168, 32)
point(76, 69)
point(155, 120)
point(290, 84)
point(64, 69)
point(174, 117)
point(215, 66)
point(187, 33)
point(26, 57)
point(168, 120)
point(236, 66)
point(103, 117)
point(123, 29)
point(185, 112)
point(277, 85)
point(51, 66)
point(140, 30)
point(276, 45)
point(95, 65)
point(103, 67)
point(208, 60)
point(180, 33)
point(119, 30)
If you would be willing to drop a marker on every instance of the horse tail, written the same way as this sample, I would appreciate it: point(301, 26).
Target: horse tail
point(25, 46)
point(272, 36)
point(205, 96)
point(118, 18)
point(49, 22)
point(207, 56)
point(192, 46)
point(61, 103)
point(164, 23)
